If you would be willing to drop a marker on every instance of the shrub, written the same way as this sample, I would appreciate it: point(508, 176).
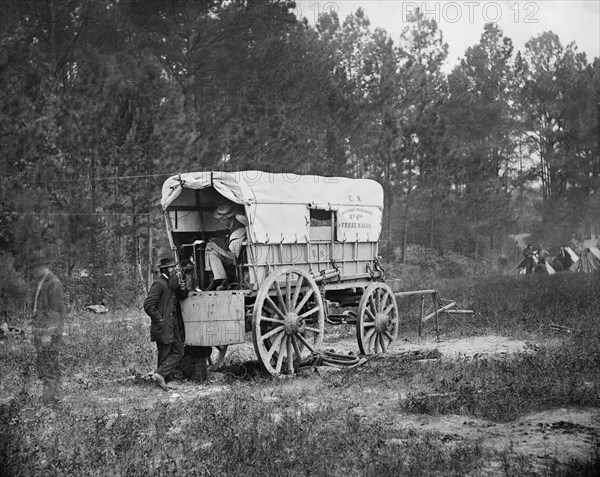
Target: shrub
point(13, 289)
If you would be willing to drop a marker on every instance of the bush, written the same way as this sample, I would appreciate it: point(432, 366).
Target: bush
point(13, 289)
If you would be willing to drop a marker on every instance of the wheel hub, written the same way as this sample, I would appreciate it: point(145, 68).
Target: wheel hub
point(293, 324)
point(382, 322)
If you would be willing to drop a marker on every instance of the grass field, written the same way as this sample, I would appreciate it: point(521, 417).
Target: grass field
point(378, 419)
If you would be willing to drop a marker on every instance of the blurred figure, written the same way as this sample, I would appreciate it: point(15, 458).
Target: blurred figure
point(502, 263)
point(531, 254)
point(49, 313)
point(163, 308)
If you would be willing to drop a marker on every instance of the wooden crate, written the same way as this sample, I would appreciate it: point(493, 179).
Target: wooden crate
point(213, 318)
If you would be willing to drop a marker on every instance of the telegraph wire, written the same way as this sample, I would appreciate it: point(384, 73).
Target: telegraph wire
point(109, 178)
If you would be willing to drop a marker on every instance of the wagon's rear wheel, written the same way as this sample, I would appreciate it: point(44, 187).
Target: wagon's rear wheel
point(215, 360)
point(377, 320)
point(288, 321)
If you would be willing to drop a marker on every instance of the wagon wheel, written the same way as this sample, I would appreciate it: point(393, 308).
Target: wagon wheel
point(288, 321)
point(215, 360)
point(377, 321)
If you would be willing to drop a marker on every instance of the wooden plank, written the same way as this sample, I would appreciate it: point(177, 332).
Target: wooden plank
point(214, 318)
point(416, 292)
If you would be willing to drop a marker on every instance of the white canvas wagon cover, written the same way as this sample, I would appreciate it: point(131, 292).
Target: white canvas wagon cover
point(278, 205)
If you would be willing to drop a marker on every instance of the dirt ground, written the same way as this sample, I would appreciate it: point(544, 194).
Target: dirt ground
point(564, 434)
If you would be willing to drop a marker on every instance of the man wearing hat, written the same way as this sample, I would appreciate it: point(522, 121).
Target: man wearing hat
point(49, 312)
point(226, 251)
point(163, 308)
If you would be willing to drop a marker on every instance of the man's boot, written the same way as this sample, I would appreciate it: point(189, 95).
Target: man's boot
point(160, 381)
point(214, 284)
point(224, 285)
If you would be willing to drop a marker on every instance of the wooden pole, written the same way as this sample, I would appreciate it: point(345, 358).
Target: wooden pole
point(421, 316)
point(435, 306)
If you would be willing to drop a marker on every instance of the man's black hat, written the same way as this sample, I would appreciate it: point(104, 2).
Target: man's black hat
point(166, 262)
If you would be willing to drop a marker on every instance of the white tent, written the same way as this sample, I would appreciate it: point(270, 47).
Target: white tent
point(540, 264)
point(589, 260)
point(278, 205)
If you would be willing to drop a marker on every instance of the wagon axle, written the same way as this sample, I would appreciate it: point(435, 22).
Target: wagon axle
point(383, 322)
point(294, 323)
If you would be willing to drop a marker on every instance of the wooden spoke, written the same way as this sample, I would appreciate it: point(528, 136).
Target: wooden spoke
point(377, 319)
point(305, 298)
point(384, 298)
point(272, 320)
point(369, 334)
point(382, 343)
point(297, 293)
point(288, 292)
point(370, 315)
point(306, 343)
point(276, 320)
point(310, 312)
point(290, 354)
point(372, 306)
point(280, 297)
point(279, 359)
point(295, 345)
point(275, 345)
point(372, 341)
point(277, 329)
point(275, 308)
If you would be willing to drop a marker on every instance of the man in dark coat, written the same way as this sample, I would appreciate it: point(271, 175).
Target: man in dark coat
point(49, 312)
point(163, 308)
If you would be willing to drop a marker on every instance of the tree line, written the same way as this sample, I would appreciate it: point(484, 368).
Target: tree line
point(101, 100)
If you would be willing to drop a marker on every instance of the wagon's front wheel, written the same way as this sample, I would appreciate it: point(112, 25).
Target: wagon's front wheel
point(377, 320)
point(288, 321)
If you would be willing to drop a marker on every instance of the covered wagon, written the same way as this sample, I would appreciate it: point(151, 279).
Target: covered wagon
point(310, 246)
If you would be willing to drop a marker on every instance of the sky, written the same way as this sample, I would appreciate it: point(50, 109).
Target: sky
point(462, 21)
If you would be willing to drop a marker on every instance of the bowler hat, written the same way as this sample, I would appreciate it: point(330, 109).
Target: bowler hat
point(166, 262)
point(224, 211)
point(37, 259)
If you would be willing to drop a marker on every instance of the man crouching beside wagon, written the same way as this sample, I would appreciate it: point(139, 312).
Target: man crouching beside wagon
point(163, 308)
point(224, 251)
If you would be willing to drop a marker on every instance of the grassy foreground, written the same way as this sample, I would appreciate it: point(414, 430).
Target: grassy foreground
point(112, 423)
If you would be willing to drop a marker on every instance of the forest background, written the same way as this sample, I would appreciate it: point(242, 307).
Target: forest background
point(102, 100)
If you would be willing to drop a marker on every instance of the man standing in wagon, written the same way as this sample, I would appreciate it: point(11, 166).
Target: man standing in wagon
point(225, 251)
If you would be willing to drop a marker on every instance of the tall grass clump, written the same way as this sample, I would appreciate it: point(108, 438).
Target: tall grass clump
point(514, 306)
point(559, 369)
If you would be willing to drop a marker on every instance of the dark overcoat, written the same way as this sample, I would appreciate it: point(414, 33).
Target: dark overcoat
point(162, 306)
